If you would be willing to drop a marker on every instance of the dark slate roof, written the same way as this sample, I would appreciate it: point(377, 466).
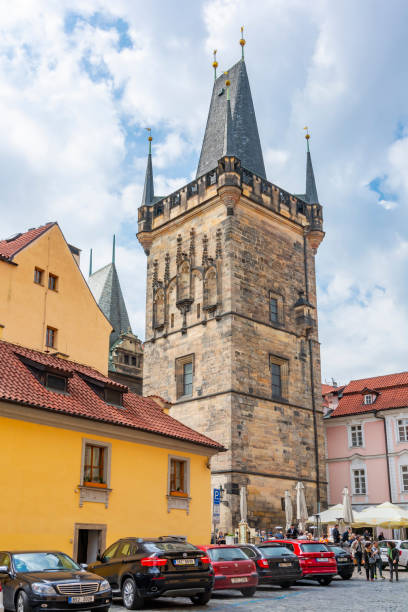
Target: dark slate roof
point(148, 191)
point(105, 287)
point(247, 146)
point(311, 191)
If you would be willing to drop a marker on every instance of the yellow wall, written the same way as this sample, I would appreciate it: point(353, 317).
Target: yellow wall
point(40, 472)
point(26, 309)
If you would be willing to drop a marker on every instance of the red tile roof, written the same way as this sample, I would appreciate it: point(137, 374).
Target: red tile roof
point(10, 247)
point(392, 392)
point(327, 389)
point(19, 385)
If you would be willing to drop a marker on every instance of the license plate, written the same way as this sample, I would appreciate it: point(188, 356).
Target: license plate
point(342, 560)
point(243, 579)
point(323, 560)
point(285, 565)
point(82, 599)
point(184, 562)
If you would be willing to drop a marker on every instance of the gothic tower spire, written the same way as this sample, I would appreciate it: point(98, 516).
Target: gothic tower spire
point(228, 147)
point(148, 191)
point(311, 191)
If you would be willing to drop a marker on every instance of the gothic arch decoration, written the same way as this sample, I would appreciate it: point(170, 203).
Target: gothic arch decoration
point(159, 308)
point(183, 281)
point(210, 289)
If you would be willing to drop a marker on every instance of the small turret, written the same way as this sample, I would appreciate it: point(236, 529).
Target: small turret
point(148, 191)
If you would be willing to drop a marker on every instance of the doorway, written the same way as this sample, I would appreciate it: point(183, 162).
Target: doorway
point(89, 540)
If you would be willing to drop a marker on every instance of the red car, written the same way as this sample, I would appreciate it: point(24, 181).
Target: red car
point(232, 569)
point(316, 561)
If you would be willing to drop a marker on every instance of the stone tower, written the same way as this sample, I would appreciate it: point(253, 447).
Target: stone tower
point(231, 320)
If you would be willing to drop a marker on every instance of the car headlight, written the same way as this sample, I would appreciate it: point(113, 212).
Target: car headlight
point(39, 588)
point(104, 586)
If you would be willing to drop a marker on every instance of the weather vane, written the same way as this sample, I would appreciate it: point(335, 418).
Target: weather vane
point(242, 42)
point(149, 138)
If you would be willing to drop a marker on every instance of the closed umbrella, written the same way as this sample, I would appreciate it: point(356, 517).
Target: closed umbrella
point(301, 508)
point(288, 510)
point(347, 507)
point(243, 506)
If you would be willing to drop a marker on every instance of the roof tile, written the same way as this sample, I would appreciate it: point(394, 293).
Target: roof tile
point(9, 247)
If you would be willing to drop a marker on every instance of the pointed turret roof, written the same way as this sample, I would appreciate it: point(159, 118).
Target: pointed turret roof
point(148, 191)
point(228, 147)
point(311, 191)
point(105, 286)
point(246, 143)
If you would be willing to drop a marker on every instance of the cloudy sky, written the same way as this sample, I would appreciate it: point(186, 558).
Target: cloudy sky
point(80, 80)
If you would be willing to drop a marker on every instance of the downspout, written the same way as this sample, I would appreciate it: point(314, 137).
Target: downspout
point(316, 446)
point(377, 416)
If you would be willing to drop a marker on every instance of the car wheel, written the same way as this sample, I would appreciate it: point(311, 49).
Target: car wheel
point(22, 603)
point(248, 591)
point(130, 595)
point(325, 581)
point(286, 585)
point(201, 599)
point(346, 577)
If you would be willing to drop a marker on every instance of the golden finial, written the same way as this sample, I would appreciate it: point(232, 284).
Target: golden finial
point(149, 138)
point(307, 136)
point(227, 85)
point(215, 64)
point(242, 42)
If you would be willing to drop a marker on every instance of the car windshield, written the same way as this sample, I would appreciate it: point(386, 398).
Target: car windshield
point(226, 554)
point(314, 548)
point(275, 551)
point(336, 549)
point(155, 547)
point(43, 562)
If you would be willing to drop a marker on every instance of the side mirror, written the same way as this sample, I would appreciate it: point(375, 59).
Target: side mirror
point(4, 569)
point(84, 565)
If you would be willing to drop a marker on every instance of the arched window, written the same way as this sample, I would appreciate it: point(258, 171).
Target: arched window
point(210, 288)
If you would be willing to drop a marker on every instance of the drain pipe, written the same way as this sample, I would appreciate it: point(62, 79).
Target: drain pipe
point(377, 416)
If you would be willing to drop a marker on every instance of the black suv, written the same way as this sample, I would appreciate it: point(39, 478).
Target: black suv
point(345, 565)
point(140, 569)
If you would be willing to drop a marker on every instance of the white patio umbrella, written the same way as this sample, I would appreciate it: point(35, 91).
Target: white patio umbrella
point(347, 514)
point(301, 508)
point(386, 515)
point(288, 510)
point(328, 517)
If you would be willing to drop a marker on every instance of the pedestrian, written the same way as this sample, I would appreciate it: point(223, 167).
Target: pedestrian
point(366, 535)
point(292, 533)
point(220, 538)
point(345, 538)
point(336, 535)
point(393, 556)
point(357, 552)
point(378, 561)
point(278, 535)
point(381, 536)
point(369, 561)
point(309, 535)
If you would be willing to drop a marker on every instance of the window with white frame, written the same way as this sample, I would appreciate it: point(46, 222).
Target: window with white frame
point(359, 482)
point(368, 398)
point(404, 478)
point(403, 430)
point(356, 435)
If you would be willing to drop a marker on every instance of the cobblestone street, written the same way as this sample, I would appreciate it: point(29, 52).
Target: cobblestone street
point(342, 595)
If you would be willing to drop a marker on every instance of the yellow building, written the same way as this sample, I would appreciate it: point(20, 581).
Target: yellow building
point(85, 462)
point(45, 303)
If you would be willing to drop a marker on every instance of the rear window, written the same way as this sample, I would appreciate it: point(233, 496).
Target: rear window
point(275, 551)
point(168, 547)
point(336, 549)
point(226, 554)
point(314, 548)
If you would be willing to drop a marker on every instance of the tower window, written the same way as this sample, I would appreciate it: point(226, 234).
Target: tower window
point(184, 376)
point(52, 282)
point(51, 337)
point(134, 361)
point(38, 276)
point(273, 310)
point(279, 376)
point(126, 359)
point(198, 311)
point(172, 320)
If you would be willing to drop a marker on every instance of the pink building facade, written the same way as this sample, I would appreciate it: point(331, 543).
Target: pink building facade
point(366, 425)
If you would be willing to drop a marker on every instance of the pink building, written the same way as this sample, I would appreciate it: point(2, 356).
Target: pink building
point(366, 424)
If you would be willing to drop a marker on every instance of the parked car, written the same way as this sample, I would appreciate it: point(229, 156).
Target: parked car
point(274, 563)
point(316, 561)
point(50, 580)
point(401, 545)
point(232, 569)
point(142, 569)
point(344, 560)
point(1, 600)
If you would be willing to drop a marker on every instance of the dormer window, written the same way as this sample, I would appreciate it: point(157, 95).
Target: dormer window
point(113, 396)
point(368, 399)
point(55, 382)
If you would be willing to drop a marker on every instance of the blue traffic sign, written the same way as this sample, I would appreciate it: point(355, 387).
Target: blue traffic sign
point(217, 497)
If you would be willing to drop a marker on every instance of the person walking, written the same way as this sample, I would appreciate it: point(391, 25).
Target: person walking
point(357, 551)
point(369, 561)
point(393, 556)
point(376, 553)
point(336, 535)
